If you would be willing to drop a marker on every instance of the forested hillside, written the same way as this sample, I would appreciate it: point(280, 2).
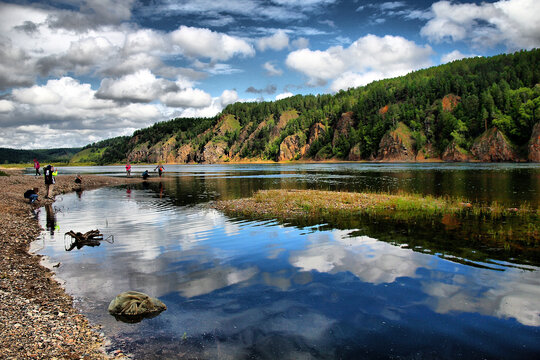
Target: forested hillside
point(13, 156)
point(473, 109)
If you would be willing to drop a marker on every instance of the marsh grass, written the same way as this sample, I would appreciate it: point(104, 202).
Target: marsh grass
point(491, 220)
point(316, 202)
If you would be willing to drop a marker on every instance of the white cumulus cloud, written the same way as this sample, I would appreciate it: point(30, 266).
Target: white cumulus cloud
point(454, 55)
point(284, 95)
point(187, 98)
point(228, 97)
point(278, 41)
point(6, 106)
point(368, 56)
point(513, 23)
point(142, 86)
point(198, 42)
point(271, 69)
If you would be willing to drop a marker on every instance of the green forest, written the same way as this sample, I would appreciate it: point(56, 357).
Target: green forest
point(454, 103)
point(14, 156)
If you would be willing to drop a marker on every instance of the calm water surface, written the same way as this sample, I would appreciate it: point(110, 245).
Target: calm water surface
point(239, 289)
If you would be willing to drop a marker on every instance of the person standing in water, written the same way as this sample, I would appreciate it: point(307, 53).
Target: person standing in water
point(160, 169)
point(128, 169)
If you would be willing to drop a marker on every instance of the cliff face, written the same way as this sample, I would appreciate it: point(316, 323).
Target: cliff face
point(454, 152)
point(492, 145)
point(343, 126)
point(355, 153)
point(185, 154)
point(534, 144)
point(290, 148)
point(213, 152)
point(317, 130)
point(397, 145)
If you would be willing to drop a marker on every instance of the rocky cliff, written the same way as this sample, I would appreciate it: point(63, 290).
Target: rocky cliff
point(343, 126)
point(454, 152)
point(534, 144)
point(397, 145)
point(292, 147)
point(213, 152)
point(492, 145)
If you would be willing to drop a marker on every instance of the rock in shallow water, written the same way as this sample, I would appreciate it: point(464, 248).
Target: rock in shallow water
point(133, 306)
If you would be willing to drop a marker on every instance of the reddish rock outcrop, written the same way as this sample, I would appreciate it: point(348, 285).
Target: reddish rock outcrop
point(290, 147)
point(343, 126)
point(492, 145)
point(450, 101)
point(454, 152)
point(184, 154)
point(397, 145)
point(534, 144)
point(316, 131)
point(213, 152)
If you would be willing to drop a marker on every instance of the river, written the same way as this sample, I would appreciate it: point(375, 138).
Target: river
point(253, 289)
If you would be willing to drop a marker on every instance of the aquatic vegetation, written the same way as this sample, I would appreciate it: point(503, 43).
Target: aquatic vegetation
point(483, 221)
point(284, 203)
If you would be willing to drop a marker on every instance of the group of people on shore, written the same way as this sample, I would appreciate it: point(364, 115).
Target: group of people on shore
point(145, 175)
point(49, 174)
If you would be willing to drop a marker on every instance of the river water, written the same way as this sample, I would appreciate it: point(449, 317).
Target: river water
point(254, 289)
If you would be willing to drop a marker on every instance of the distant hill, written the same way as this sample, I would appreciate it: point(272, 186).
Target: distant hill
point(14, 156)
point(481, 109)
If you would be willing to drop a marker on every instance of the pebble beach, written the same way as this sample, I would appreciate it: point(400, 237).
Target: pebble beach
point(37, 317)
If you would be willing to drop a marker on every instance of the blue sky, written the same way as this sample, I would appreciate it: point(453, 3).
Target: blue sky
point(74, 72)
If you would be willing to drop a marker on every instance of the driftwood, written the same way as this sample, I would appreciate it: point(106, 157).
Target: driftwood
point(89, 238)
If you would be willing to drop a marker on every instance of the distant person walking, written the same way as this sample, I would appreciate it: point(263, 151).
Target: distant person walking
point(49, 180)
point(160, 169)
point(128, 169)
point(36, 166)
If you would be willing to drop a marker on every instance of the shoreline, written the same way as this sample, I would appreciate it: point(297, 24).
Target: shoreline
point(37, 317)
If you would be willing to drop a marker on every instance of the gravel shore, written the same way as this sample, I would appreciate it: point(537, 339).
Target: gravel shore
point(37, 317)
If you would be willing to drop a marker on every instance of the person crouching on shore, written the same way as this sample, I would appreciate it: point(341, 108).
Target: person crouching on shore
point(32, 195)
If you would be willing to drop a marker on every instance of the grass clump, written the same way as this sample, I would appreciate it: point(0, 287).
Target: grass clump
point(306, 203)
point(493, 221)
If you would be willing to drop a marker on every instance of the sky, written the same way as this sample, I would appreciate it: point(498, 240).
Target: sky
point(74, 72)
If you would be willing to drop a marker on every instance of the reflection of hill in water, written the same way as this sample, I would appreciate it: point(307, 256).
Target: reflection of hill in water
point(474, 242)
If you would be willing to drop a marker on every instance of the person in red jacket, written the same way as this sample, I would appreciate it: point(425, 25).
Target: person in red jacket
point(160, 169)
point(36, 166)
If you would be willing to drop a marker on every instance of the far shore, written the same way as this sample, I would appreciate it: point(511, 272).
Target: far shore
point(257, 162)
point(36, 313)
